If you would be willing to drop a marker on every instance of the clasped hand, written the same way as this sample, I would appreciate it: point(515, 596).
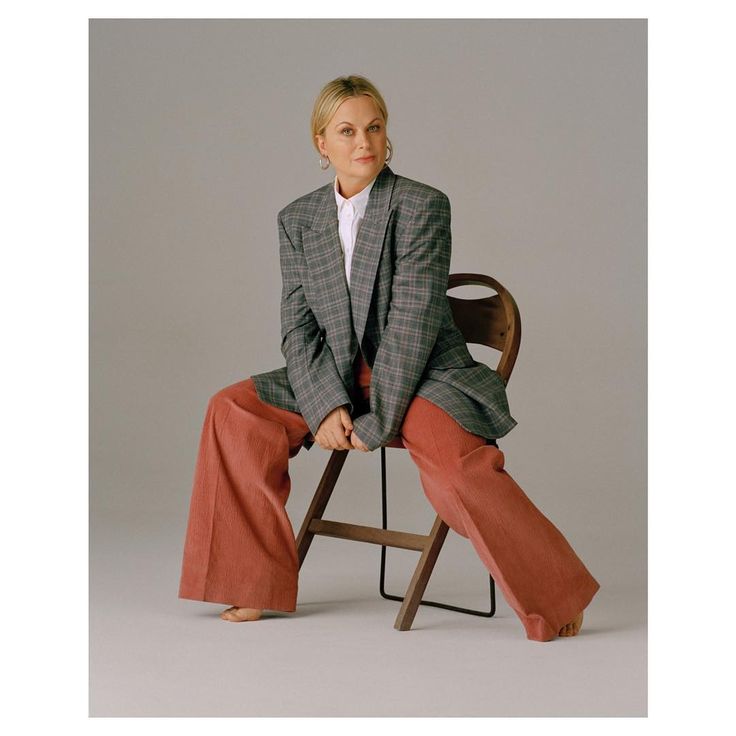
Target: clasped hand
point(336, 432)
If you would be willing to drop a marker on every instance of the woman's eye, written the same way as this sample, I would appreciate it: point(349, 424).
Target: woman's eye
point(349, 130)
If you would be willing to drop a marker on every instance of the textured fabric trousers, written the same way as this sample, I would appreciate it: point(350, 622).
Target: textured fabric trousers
point(240, 547)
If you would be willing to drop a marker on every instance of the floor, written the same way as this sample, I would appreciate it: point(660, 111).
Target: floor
point(153, 654)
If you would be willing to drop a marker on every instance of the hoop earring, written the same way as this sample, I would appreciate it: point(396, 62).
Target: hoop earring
point(390, 150)
point(324, 168)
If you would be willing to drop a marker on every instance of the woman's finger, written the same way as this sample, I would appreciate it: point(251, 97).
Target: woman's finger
point(336, 442)
point(342, 442)
point(347, 422)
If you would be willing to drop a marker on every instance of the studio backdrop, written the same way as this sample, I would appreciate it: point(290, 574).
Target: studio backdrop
point(535, 130)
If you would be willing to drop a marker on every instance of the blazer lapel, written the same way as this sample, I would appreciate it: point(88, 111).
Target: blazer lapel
point(323, 252)
point(322, 246)
point(368, 249)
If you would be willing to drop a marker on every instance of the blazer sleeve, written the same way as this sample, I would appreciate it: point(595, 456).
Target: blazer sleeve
point(418, 294)
point(310, 364)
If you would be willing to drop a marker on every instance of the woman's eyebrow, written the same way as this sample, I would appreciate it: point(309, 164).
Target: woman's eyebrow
point(348, 123)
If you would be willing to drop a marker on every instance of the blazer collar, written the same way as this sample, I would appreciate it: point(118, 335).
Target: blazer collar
point(367, 251)
point(378, 201)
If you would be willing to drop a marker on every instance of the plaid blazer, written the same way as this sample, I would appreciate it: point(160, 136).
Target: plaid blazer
point(395, 311)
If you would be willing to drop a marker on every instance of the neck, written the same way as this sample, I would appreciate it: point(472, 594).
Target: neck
point(350, 186)
point(350, 189)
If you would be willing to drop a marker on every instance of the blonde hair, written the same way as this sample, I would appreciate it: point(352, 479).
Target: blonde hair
point(334, 93)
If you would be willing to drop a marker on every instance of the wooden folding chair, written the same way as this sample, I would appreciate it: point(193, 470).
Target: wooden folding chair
point(493, 321)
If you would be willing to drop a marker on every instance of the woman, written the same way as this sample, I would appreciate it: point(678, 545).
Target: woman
point(371, 351)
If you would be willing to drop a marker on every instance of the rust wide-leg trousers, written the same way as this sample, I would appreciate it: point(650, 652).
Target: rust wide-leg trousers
point(240, 547)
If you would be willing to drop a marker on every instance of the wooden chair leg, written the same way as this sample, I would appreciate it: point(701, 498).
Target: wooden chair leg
point(319, 502)
point(423, 571)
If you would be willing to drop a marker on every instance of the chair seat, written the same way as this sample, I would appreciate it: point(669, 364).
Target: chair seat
point(395, 442)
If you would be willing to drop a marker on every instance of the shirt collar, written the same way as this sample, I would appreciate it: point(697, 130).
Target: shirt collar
point(359, 200)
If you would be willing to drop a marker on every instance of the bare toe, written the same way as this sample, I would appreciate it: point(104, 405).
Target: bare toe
point(573, 627)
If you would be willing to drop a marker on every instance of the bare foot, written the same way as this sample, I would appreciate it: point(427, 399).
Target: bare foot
point(241, 614)
point(573, 627)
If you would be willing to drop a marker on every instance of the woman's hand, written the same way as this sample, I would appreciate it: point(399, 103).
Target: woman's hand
point(335, 429)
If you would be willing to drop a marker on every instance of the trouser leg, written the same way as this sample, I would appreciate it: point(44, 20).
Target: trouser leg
point(463, 476)
point(240, 547)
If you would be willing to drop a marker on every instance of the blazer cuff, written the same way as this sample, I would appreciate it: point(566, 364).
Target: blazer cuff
point(320, 404)
point(369, 430)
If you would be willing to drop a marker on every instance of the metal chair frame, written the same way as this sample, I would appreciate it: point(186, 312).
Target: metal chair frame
point(382, 578)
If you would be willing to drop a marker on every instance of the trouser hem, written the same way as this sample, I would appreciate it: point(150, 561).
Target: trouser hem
point(285, 605)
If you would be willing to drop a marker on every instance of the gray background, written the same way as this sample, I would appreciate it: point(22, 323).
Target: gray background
point(536, 130)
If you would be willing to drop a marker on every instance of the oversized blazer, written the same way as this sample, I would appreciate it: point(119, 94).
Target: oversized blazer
point(395, 311)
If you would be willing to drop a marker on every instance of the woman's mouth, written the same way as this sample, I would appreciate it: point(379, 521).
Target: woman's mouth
point(365, 160)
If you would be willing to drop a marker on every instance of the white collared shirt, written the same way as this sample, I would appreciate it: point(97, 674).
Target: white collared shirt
point(350, 213)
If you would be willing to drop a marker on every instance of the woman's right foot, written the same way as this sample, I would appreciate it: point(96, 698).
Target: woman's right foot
point(573, 627)
point(241, 614)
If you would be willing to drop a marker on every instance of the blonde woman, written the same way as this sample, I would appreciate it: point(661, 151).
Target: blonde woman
point(371, 352)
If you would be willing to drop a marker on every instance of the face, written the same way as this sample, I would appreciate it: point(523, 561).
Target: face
point(355, 142)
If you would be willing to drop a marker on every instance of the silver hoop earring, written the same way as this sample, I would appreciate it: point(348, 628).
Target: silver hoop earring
point(324, 168)
point(390, 150)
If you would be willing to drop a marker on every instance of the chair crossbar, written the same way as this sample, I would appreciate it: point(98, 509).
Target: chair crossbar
point(370, 534)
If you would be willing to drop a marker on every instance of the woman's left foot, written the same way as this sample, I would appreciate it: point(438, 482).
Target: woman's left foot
point(241, 614)
point(573, 627)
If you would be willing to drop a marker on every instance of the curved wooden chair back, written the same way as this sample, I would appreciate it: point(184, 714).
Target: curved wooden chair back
point(493, 321)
